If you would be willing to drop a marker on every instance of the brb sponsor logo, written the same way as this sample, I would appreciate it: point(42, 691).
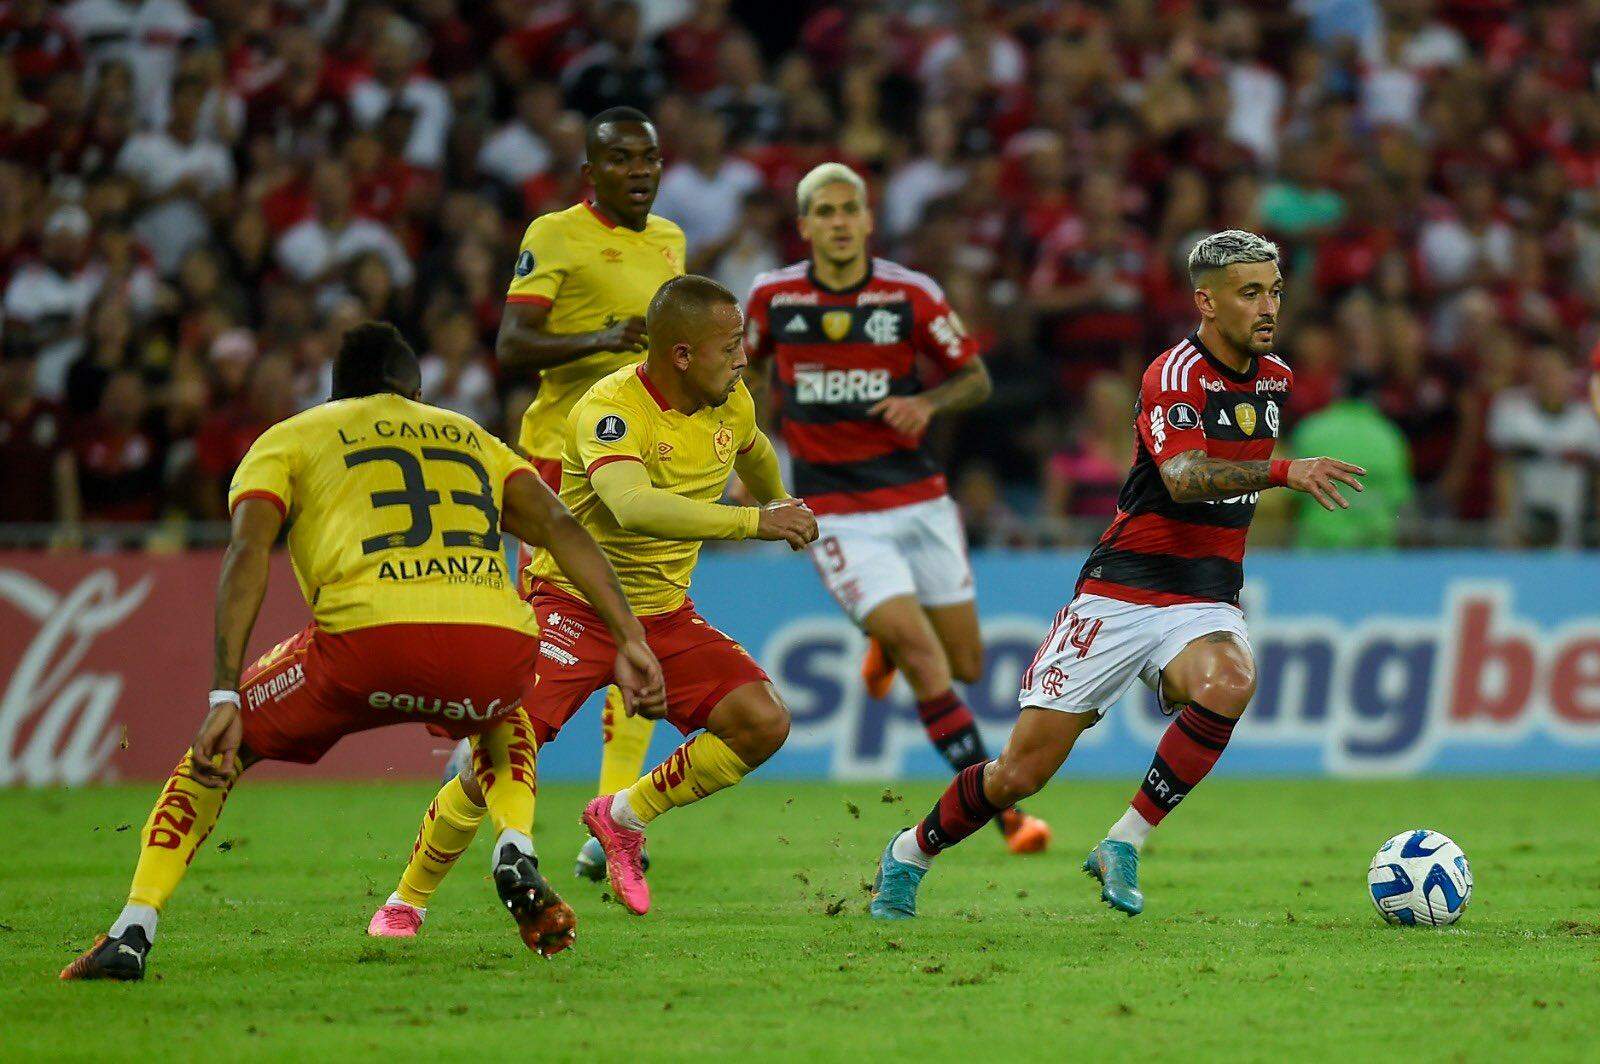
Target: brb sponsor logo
point(816, 385)
point(1472, 685)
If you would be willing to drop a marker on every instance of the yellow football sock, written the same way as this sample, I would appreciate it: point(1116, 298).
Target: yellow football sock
point(700, 767)
point(503, 759)
point(447, 829)
point(182, 818)
point(624, 742)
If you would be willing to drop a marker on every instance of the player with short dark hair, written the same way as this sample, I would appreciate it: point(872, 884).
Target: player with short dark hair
point(648, 455)
point(865, 354)
point(1158, 598)
point(394, 510)
point(575, 312)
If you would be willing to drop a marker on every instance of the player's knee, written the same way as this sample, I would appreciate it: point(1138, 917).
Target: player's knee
point(469, 784)
point(1227, 686)
point(966, 664)
point(763, 731)
point(1011, 779)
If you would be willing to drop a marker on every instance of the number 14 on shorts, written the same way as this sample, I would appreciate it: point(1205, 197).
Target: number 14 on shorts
point(1076, 632)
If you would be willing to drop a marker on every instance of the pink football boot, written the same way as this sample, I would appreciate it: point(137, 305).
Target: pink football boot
point(624, 855)
point(396, 920)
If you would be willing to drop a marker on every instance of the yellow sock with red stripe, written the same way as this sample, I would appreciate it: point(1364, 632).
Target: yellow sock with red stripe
point(182, 818)
point(700, 767)
point(503, 760)
point(446, 832)
point(624, 743)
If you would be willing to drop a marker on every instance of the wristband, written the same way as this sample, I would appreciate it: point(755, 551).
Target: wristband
point(217, 698)
point(1278, 472)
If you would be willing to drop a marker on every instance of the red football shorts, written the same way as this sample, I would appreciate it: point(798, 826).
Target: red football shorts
point(577, 653)
point(314, 688)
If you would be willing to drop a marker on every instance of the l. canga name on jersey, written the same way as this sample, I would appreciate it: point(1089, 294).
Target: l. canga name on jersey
point(385, 429)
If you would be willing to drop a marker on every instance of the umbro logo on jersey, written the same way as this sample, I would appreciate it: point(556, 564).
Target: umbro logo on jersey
point(610, 429)
point(797, 324)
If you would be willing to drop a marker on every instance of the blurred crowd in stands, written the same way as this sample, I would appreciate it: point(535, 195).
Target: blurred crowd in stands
point(196, 199)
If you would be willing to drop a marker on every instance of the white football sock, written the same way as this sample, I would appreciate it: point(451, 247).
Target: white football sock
point(1132, 829)
point(622, 812)
point(144, 916)
point(396, 899)
point(516, 838)
point(905, 850)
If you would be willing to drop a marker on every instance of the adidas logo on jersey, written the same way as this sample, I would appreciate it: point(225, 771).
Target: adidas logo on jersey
point(797, 324)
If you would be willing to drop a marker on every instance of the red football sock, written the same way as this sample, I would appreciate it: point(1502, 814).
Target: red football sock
point(952, 729)
point(1187, 751)
point(961, 810)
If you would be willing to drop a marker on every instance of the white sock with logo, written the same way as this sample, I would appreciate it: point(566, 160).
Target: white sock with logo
point(144, 916)
point(622, 812)
point(396, 899)
point(1132, 829)
point(905, 850)
point(516, 838)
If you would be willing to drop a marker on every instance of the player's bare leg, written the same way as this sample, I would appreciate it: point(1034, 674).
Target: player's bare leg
point(745, 728)
point(624, 742)
point(1210, 683)
point(932, 647)
point(179, 823)
point(1038, 746)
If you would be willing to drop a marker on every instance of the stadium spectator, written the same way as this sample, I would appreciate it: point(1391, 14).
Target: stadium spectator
point(704, 192)
point(48, 299)
point(399, 83)
point(36, 473)
point(622, 70)
point(1084, 478)
point(332, 236)
point(1358, 428)
point(519, 150)
point(1547, 444)
point(119, 453)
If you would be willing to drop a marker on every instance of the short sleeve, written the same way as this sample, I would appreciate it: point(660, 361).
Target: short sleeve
point(607, 430)
point(504, 463)
point(942, 335)
point(268, 470)
point(1171, 402)
point(757, 327)
point(541, 266)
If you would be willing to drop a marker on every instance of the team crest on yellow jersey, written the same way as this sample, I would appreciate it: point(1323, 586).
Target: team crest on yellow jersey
point(723, 442)
point(1245, 415)
point(836, 324)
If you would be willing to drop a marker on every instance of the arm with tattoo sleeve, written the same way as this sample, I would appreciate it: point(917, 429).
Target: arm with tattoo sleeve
point(1195, 476)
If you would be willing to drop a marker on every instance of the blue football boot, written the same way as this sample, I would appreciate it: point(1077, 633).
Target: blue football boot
point(894, 888)
point(1116, 866)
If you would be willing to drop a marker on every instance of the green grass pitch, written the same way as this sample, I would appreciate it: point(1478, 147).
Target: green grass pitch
point(1259, 942)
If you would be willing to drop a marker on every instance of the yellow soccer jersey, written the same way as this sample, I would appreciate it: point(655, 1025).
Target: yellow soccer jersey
point(394, 513)
point(623, 418)
point(591, 274)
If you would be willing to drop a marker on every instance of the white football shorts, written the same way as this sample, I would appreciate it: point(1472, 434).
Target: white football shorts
point(868, 558)
point(1098, 646)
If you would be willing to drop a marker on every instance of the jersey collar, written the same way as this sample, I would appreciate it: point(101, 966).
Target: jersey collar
point(811, 275)
point(1222, 367)
point(650, 387)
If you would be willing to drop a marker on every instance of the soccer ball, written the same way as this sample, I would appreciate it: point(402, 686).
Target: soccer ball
point(1420, 877)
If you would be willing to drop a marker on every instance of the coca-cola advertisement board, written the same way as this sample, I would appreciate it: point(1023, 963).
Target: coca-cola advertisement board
point(105, 661)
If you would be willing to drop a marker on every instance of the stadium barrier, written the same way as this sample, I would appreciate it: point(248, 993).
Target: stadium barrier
point(1369, 664)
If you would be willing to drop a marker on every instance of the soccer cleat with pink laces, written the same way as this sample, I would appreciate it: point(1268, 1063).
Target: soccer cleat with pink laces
point(396, 920)
point(624, 855)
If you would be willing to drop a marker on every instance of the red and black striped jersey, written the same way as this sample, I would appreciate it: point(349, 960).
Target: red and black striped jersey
point(1160, 552)
point(837, 353)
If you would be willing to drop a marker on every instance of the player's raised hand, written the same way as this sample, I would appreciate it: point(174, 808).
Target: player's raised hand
point(638, 675)
point(216, 747)
point(906, 414)
point(1320, 478)
point(790, 520)
point(625, 335)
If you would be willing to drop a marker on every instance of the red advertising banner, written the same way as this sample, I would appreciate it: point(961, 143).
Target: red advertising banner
point(105, 661)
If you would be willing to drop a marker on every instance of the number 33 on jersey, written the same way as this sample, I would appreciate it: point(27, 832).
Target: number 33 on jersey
point(394, 513)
